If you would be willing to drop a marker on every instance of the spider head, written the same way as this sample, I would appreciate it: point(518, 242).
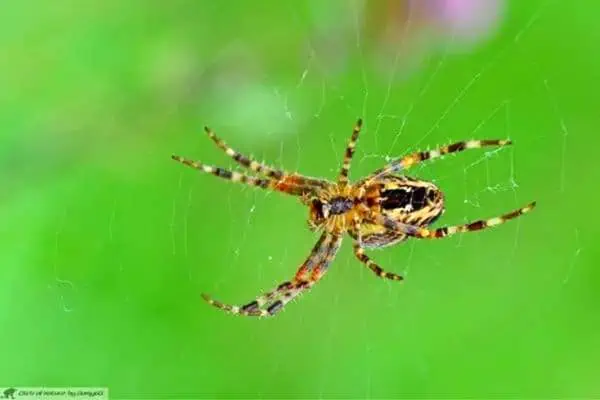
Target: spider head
point(318, 213)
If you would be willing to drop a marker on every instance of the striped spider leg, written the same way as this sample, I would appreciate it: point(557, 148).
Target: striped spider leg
point(253, 308)
point(309, 273)
point(260, 168)
point(343, 176)
point(403, 163)
point(445, 231)
point(274, 179)
point(359, 252)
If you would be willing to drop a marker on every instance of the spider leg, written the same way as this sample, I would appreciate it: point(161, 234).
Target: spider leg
point(241, 159)
point(301, 275)
point(272, 302)
point(289, 184)
point(260, 168)
point(359, 252)
point(362, 257)
point(423, 233)
point(315, 256)
point(304, 285)
point(343, 177)
point(408, 161)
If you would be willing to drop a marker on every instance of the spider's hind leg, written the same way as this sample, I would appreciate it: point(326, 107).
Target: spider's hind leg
point(362, 257)
point(476, 225)
point(274, 301)
point(445, 231)
point(359, 252)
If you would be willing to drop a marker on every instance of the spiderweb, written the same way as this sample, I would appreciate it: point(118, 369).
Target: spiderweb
point(408, 105)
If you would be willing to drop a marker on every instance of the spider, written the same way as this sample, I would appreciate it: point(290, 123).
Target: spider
point(383, 209)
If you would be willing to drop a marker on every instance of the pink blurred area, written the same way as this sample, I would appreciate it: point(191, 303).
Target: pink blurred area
point(463, 21)
point(406, 30)
point(468, 21)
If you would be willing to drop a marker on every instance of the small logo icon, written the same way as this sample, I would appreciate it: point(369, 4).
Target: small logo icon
point(9, 393)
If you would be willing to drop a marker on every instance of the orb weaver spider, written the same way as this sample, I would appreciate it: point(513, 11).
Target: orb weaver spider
point(383, 209)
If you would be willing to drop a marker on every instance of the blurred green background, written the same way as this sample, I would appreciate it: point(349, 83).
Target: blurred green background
point(107, 243)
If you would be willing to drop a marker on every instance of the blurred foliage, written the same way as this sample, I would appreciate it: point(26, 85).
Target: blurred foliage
point(107, 243)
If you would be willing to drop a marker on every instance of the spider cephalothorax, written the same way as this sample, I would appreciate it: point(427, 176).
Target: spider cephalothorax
point(380, 210)
point(332, 207)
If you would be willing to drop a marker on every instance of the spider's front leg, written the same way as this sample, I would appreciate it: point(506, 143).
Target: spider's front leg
point(243, 160)
point(263, 169)
point(274, 301)
point(293, 184)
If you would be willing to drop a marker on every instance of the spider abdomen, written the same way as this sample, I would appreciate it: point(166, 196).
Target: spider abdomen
point(398, 199)
point(407, 198)
point(416, 205)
